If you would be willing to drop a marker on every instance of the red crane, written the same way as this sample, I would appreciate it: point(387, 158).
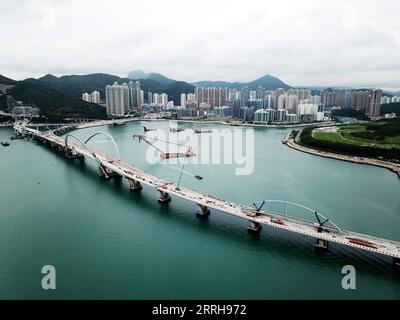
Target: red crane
point(166, 155)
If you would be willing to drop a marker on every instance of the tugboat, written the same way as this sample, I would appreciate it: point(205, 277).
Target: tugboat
point(148, 129)
point(176, 130)
point(5, 143)
point(199, 177)
point(198, 131)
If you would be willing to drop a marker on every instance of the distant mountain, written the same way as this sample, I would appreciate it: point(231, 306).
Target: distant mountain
point(75, 85)
point(6, 81)
point(60, 97)
point(268, 82)
point(139, 75)
point(391, 93)
point(6, 84)
point(222, 84)
point(53, 103)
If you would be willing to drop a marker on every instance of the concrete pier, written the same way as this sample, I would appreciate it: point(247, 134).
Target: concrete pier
point(107, 173)
point(134, 185)
point(164, 197)
point(254, 227)
point(69, 154)
point(321, 245)
point(203, 211)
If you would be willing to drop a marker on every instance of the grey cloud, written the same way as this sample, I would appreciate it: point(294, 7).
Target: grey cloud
point(305, 42)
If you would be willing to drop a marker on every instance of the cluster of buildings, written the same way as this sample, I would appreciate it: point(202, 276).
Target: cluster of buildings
point(280, 105)
point(93, 97)
point(123, 98)
point(259, 105)
point(22, 109)
point(388, 100)
point(157, 99)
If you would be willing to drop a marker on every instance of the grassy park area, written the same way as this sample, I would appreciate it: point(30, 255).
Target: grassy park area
point(380, 140)
point(376, 135)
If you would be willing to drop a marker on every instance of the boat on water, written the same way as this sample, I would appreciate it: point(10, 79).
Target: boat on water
point(198, 177)
point(119, 123)
point(176, 129)
point(148, 129)
point(5, 143)
point(202, 131)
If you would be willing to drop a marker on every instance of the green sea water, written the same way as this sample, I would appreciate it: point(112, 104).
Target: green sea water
point(107, 242)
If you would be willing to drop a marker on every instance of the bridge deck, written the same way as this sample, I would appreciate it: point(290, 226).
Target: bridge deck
point(373, 244)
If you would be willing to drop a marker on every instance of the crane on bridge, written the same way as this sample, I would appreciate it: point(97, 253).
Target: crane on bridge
point(166, 155)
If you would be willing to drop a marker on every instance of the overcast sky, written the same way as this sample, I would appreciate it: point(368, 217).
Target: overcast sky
point(304, 43)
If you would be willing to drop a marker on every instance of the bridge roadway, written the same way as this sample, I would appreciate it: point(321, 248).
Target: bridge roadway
point(276, 220)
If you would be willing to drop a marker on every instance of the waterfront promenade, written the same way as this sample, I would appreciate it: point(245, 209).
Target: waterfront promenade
point(291, 142)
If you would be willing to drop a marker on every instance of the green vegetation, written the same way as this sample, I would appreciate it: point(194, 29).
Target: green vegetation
point(60, 98)
point(139, 74)
point(173, 90)
point(54, 105)
point(6, 81)
point(75, 85)
point(391, 108)
point(349, 113)
point(5, 118)
point(374, 140)
point(268, 82)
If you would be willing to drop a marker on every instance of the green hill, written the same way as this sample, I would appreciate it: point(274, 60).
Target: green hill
point(53, 104)
point(391, 108)
point(60, 97)
point(6, 81)
point(75, 85)
point(268, 82)
point(139, 74)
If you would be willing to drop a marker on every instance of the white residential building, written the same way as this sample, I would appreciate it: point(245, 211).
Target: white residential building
point(115, 100)
point(183, 100)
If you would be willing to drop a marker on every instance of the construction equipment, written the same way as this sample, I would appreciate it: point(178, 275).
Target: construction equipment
point(198, 131)
point(148, 129)
point(179, 181)
point(176, 129)
point(167, 155)
point(118, 123)
point(253, 210)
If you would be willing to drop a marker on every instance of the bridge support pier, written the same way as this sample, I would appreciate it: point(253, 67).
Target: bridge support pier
point(107, 173)
point(164, 197)
point(203, 211)
point(321, 245)
point(396, 262)
point(70, 155)
point(134, 185)
point(254, 227)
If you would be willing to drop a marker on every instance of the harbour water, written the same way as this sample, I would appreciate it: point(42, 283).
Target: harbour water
point(107, 242)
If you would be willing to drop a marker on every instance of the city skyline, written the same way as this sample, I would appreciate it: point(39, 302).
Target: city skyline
point(309, 44)
point(261, 105)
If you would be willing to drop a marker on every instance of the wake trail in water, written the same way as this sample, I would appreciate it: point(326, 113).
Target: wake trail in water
point(179, 170)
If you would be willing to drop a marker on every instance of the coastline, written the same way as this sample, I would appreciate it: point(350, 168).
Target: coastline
point(99, 123)
point(276, 126)
point(289, 140)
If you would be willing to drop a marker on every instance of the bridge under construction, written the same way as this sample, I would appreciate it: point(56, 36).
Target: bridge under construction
point(322, 230)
